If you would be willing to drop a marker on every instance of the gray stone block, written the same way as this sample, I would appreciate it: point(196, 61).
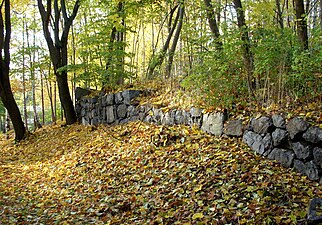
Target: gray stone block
point(128, 95)
point(309, 169)
point(262, 125)
point(121, 111)
point(313, 135)
point(195, 112)
point(278, 121)
point(302, 150)
point(317, 154)
point(110, 116)
point(279, 135)
point(283, 156)
point(119, 98)
point(296, 126)
point(234, 128)
point(213, 123)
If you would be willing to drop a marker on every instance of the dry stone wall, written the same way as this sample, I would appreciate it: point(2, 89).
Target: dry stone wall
point(121, 108)
point(294, 144)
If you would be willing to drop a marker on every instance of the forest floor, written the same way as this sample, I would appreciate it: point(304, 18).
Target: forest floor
point(140, 173)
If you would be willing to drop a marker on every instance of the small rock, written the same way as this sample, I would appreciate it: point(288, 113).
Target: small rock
point(309, 169)
point(279, 135)
point(296, 126)
point(278, 121)
point(109, 100)
point(195, 112)
point(302, 150)
point(119, 98)
point(128, 95)
point(110, 116)
point(121, 111)
point(262, 125)
point(81, 92)
point(234, 128)
point(317, 154)
point(313, 217)
point(313, 135)
point(284, 156)
point(213, 123)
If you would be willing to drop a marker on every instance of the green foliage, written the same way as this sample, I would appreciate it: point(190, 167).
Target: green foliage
point(306, 78)
point(217, 77)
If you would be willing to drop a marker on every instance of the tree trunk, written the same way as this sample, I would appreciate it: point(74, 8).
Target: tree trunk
point(321, 14)
point(5, 88)
point(247, 54)
point(58, 49)
point(25, 113)
point(301, 24)
point(175, 40)
point(213, 23)
point(279, 14)
point(157, 60)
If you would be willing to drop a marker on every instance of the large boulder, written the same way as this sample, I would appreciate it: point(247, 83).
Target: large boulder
point(302, 150)
point(296, 126)
point(262, 125)
point(284, 156)
point(313, 135)
point(213, 123)
point(309, 169)
point(234, 128)
point(279, 135)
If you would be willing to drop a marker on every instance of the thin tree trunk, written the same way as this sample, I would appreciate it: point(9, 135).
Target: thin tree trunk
point(247, 54)
point(279, 14)
point(25, 113)
point(157, 60)
point(5, 88)
point(213, 23)
point(321, 14)
point(58, 49)
point(175, 40)
point(301, 24)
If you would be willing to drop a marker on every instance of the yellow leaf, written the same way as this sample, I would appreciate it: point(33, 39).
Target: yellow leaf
point(197, 216)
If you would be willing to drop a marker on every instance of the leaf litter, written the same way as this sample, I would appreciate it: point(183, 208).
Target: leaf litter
point(145, 174)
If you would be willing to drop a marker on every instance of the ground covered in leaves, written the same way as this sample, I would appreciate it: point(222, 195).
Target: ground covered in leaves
point(144, 174)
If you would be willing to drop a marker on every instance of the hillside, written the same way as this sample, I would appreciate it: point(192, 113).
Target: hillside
point(144, 174)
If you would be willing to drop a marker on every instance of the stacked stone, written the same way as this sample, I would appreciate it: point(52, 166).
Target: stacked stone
point(107, 108)
point(295, 144)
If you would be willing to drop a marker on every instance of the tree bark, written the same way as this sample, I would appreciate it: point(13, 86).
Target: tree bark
point(301, 24)
point(58, 49)
point(213, 23)
point(5, 88)
point(247, 54)
point(321, 14)
point(175, 40)
point(157, 60)
point(279, 14)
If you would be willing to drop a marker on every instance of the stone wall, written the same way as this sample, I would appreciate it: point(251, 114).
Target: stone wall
point(293, 144)
point(121, 108)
